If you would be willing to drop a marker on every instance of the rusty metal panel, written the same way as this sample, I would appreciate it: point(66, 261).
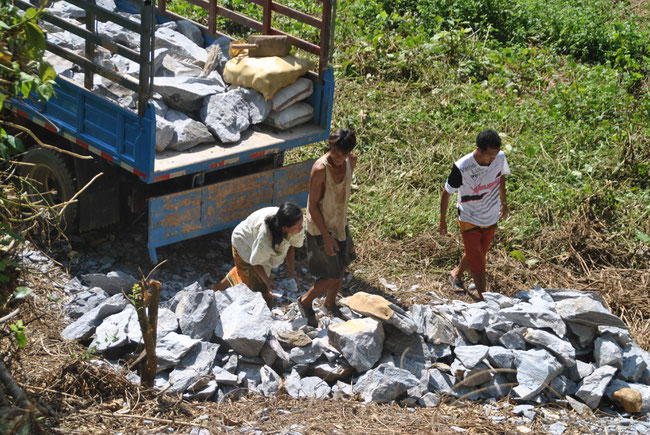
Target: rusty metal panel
point(290, 183)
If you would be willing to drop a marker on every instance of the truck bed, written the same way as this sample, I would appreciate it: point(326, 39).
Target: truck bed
point(256, 142)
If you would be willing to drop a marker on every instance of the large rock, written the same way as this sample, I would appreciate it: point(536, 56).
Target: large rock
point(171, 349)
point(634, 364)
point(246, 323)
point(306, 354)
point(608, 353)
point(113, 333)
point(258, 107)
point(500, 357)
point(470, 356)
point(643, 390)
point(84, 327)
point(409, 346)
point(226, 115)
point(269, 381)
point(630, 399)
point(587, 311)
point(309, 387)
point(187, 132)
point(117, 33)
point(593, 386)
point(384, 383)
point(535, 369)
point(197, 314)
point(433, 325)
point(164, 133)
point(112, 283)
point(526, 315)
point(194, 369)
point(85, 301)
point(191, 31)
point(218, 56)
point(562, 349)
point(359, 340)
point(186, 93)
point(180, 46)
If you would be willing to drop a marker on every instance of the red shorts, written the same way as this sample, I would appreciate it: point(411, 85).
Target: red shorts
point(477, 241)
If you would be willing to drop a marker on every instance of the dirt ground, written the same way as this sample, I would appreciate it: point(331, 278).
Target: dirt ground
point(72, 396)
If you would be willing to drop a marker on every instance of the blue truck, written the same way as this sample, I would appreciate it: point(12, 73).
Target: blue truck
point(184, 195)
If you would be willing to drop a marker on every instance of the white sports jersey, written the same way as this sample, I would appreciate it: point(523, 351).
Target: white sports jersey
point(478, 188)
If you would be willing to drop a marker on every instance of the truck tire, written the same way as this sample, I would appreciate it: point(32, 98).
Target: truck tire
point(52, 177)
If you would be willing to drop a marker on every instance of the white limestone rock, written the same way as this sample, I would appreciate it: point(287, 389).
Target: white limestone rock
point(587, 311)
point(592, 388)
point(384, 383)
point(561, 349)
point(360, 341)
point(197, 314)
point(84, 327)
point(246, 324)
point(535, 369)
point(187, 132)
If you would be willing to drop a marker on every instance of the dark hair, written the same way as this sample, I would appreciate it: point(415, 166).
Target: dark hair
point(287, 215)
point(343, 139)
point(488, 139)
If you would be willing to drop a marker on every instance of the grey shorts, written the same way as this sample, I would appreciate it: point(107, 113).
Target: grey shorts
point(322, 265)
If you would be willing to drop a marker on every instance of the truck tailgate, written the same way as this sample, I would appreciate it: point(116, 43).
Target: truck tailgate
point(206, 209)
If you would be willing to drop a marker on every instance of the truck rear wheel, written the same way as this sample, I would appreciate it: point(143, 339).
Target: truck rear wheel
point(52, 178)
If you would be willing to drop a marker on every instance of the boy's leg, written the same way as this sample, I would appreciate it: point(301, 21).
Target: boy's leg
point(480, 244)
point(458, 272)
point(332, 291)
point(320, 287)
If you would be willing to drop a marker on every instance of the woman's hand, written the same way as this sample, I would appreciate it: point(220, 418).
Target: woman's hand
point(330, 245)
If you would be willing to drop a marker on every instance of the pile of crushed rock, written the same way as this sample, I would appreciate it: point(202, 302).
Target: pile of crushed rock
point(540, 346)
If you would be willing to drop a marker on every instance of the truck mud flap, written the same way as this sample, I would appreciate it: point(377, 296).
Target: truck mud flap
point(203, 210)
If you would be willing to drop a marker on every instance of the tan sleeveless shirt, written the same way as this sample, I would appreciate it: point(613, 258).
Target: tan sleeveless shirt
point(334, 203)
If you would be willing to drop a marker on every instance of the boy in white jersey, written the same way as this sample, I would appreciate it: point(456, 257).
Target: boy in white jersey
point(479, 178)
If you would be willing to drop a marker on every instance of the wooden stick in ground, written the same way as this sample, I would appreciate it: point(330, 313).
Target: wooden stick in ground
point(18, 394)
point(146, 300)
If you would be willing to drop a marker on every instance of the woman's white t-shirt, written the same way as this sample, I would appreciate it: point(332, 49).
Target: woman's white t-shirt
point(253, 241)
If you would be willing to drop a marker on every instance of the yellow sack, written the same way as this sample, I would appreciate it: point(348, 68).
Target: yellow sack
point(266, 75)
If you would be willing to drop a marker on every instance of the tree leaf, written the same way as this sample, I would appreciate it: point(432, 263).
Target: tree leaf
point(518, 255)
point(643, 237)
point(46, 72)
point(22, 292)
point(35, 39)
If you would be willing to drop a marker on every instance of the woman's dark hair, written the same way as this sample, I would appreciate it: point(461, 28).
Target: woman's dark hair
point(288, 215)
point(343, 139)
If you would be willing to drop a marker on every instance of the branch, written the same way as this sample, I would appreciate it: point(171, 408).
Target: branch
point(52, 147)
point(10, 315)
point(13, 388)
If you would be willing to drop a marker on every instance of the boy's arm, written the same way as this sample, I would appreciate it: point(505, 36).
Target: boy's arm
point(444, 205)
point(316, 189)
point(353, 160)
point(502, 195)
point(291, 255)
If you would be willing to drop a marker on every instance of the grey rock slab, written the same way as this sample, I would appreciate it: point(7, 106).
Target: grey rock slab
point(562, 294)
point(67, 40)
point(514, 339)
point(197, 314)
point(164, 133)
point(470, 356)
point(583, 335)
point(441, 381)
point(258, 110)
point(306, 354)
point(587, 311)
point(499, 300)
point(535, 369)
point(293, 385)
point(113, 333)
point(168, 66)
point(593, 387)
point(561, 349)
point(433, 324)
point(226, 115)
point(246, 324)
point(112, 283)
point(360, 341)
point(74, 286)
point(269, 381)
point(217, 58)
point(314, 387)
point(478, 375)
point(562, 386)
point(634, 364)
point(622, 336)
point(191, 31)
point(205, 393)
point(608, 353)
point(580, 370)
point(429, 400)
point(187, 132)
point(411, 346)
point(227, 297)
point(497, 387)
point(332, 371)
point(186, 94)
point(64, 9)
point(500, 357)
point(180, 46)
point(526, 315)
point(84, 327)
point(384, 383)
point(171, 349)
point(223, 376)
point(578, 406)
point(538, 298)
point(84, 301)
point(617, 384)
point(496, 329)
point(194, 369)
point(117, 33)
point(273, 353)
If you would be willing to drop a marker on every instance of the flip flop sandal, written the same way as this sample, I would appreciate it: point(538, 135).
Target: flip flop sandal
point(457, 284)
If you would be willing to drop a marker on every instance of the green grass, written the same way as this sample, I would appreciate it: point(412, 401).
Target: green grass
point(564, 82)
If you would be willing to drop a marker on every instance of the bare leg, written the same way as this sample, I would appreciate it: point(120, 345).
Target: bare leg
point(320, 287)
point(460, 270)
point(481, 282)
point(223, 285)
point(332, 291)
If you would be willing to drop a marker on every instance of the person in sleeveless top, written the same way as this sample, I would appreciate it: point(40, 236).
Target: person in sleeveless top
point(329, 245)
